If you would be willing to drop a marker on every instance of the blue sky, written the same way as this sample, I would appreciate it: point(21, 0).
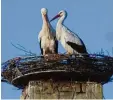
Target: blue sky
point(21, 20)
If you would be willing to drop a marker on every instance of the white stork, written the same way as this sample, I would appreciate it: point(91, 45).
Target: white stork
point(47, 38)
point(69, 40)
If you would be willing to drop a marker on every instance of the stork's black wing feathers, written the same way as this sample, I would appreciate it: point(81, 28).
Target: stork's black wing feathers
point(56, 46)
point(41, 48)
point(78, 48)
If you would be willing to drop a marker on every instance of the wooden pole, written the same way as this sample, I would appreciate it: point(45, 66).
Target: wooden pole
point(62, 90)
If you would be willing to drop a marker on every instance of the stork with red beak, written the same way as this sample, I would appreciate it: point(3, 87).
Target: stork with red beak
point(72, 43)
point(47, 38)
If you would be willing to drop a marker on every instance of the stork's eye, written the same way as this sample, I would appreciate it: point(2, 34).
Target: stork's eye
point(60, 13)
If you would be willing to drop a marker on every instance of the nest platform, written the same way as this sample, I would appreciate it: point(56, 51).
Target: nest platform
point(20, 70)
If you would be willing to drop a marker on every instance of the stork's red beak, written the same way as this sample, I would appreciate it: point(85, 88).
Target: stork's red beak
point(55, 17)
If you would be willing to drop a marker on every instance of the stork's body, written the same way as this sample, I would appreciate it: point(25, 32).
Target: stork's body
point(47, 38)
point(69, 40)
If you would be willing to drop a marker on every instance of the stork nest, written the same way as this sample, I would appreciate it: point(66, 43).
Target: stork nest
point(20, 70)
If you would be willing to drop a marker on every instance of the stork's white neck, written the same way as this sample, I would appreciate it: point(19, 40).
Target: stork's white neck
point(60, 24)
point(59, 27)
point(45, 21)
point(61, 20)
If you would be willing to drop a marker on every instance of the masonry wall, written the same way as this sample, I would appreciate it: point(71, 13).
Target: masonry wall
point(62, 90)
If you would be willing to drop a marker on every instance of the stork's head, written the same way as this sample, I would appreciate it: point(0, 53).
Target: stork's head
point(60, 14)
point(44, 11)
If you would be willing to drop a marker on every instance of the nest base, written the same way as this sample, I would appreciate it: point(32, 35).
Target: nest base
point(22, 81)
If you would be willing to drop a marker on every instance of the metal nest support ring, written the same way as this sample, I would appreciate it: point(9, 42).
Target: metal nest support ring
point(20, 70)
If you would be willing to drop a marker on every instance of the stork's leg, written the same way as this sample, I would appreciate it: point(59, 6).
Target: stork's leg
point(80, 55)
point(68, 54)
point(52, 51)
point(45, 55)
point(44, 52)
